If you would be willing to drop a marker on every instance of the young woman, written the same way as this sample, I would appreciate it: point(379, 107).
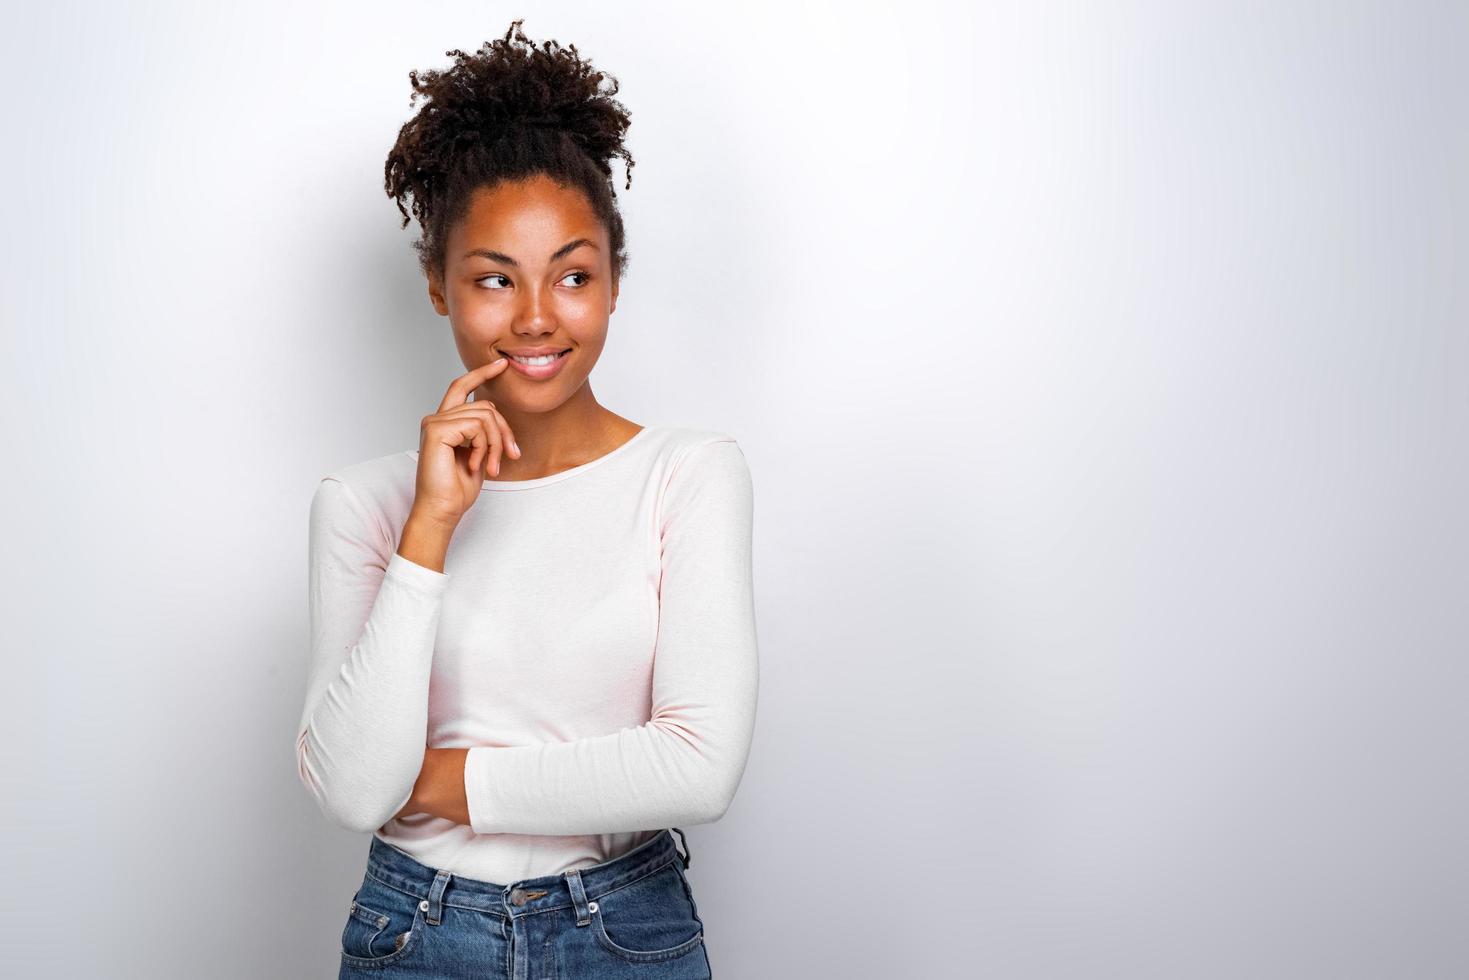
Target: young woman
point(533, 645)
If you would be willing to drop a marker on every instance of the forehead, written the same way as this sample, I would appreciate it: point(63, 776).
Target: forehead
point(523, 217)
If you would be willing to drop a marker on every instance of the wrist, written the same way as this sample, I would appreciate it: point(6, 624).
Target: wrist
point(428, 523)
point(425, 541)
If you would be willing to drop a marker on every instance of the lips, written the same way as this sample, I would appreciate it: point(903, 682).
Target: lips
point(539, 372)
point(535, 351)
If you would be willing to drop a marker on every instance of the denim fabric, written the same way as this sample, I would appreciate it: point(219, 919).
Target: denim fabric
point(632, 916)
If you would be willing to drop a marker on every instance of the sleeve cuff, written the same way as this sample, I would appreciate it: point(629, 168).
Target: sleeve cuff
point(416, 576)
point(473, 792)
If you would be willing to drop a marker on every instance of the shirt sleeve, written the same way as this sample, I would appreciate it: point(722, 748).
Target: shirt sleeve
point(682, 767)
point(374, 615)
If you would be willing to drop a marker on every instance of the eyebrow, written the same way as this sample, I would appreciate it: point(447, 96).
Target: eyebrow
point(562, 252)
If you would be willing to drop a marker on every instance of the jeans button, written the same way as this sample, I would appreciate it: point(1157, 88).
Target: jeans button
point(517, 897)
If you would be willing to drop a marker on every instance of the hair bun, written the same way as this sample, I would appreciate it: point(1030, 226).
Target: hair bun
point(508, 111)
point(512, 84)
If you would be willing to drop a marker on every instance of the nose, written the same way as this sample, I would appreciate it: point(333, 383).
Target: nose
point(536, 317)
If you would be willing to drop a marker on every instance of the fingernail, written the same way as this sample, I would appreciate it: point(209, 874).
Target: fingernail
point(514, 447)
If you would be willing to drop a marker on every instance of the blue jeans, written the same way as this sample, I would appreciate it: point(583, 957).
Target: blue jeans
point(632, 916)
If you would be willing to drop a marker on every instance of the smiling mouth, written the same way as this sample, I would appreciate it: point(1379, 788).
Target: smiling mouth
point(539, 360)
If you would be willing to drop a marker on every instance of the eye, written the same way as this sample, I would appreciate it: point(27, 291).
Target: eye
point(483, 280)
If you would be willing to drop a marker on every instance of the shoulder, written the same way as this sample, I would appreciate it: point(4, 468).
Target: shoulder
point(377, 475)
point(686, 451)
point(679, 442)
point(703, 469)
point(378, 490)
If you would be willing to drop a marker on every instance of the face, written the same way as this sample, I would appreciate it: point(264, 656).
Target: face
point(528, 270)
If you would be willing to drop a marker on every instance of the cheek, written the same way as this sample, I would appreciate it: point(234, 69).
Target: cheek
point(591, 307)
point(474, 335)
point(478, 315)
point(586, 324)
point(590, 341)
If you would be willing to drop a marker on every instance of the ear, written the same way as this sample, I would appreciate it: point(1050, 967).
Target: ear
point(616, 283)
point(436, 294)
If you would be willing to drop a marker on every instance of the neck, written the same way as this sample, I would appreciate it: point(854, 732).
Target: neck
point(574, 432)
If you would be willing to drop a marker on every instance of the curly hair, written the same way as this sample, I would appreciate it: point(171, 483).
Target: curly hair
point(509, 111)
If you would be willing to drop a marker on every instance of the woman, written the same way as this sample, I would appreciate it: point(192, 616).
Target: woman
point(533, 638)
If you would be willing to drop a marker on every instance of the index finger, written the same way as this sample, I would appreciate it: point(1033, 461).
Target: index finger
point(461, 387)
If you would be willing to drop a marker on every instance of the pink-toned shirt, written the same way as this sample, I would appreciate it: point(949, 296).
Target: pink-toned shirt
point(591, 639)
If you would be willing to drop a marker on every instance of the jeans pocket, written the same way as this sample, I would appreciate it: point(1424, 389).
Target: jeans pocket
point(383, 925)
point(648, 921)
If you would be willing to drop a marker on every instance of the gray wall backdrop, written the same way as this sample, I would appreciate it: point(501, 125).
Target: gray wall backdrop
point(1104, 377)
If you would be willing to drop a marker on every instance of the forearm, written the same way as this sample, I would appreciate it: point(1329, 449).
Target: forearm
point(672, 771)
point(361, 743)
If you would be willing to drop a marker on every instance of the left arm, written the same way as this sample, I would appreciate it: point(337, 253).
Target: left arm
point(683, 766)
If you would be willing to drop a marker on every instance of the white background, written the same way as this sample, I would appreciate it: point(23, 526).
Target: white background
point(1102, 373)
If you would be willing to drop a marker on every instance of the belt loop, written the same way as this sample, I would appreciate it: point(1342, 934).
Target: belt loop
point(578, 896)
point(435, 902)
point(687, 857)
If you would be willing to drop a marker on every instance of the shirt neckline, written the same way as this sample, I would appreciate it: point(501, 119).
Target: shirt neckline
point(502, 486)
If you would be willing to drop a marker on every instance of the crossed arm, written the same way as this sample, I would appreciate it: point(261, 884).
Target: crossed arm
point(374, 622)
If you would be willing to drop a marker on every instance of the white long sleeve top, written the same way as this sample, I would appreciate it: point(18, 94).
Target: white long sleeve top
point(591, 639)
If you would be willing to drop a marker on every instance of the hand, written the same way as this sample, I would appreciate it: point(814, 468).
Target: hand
point(439, 790)
point(459, 447)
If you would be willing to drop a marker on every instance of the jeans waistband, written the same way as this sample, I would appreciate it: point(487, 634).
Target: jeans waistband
point(569, 889)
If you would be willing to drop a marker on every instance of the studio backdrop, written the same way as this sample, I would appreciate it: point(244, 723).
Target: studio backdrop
point(1101, 371)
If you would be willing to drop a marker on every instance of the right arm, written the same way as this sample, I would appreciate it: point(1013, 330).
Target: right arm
point(363, 735)
point(374, 616)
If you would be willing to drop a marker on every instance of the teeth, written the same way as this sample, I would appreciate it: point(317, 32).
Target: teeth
point(537, 361)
